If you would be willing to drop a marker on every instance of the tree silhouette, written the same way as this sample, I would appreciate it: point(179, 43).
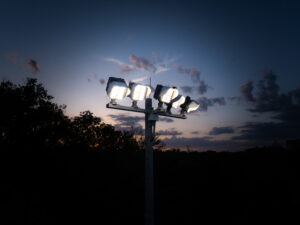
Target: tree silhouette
point(28, 118)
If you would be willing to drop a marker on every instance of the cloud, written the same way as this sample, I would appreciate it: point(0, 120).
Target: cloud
point(128, 122)
point(195, 132)
point(202, 87)
point(187, 89)
point(101, 81)
point(142, 63)
point(204, 143)
point(13, 57)
point(113, 60)
point(234, 99)
point(169, 132)
point(165, 119)
point(221, 130)
point(33, 66)
point(96, 78)
point(124, 69)
point(246, 90)
point(208, 102)
point(195, 74)
point(284, 109)
point(267, 132)
point(267, 97)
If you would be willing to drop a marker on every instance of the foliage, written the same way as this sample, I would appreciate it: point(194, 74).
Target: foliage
point(30, 120)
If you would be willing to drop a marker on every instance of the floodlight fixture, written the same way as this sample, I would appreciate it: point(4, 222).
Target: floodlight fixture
point(139, 92)
point(116, 89)
point(189, 105)
point(164, 94)
point(179, 100)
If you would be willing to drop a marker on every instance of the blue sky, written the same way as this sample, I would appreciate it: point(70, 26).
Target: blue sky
point(78, 43)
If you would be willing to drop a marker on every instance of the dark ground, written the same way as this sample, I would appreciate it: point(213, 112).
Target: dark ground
point(255, 186)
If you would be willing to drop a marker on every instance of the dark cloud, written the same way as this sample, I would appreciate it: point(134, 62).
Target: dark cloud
point(284, 108)
point(267, 132)
point(125, 69)
point(125, 121)
point(195, 74)
point(201, 87)
point(33, 66)
point(169, 132)
point(221, 130)
point(165, 119)
point(208, 102)
point(234, 99)
point(95, 76)
point(142, 63)
point(267, 97)
point(187, 89)
point(204, 144)
point(101, 81)
point(246, 90)
point(195, 132)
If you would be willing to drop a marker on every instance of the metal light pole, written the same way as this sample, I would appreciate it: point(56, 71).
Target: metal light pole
point(149, 179)
point(151, 116)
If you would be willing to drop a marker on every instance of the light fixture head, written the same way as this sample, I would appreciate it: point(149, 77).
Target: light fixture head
point(189, 105)
point(117, 88)
point(139, 92)
point(165, 94)
point(179, 100)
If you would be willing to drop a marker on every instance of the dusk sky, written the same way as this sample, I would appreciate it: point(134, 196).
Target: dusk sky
point(239, 59)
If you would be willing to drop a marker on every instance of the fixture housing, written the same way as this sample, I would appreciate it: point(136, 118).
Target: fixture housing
point(189, 105)
point(179, 100)
point(139, 92)
point(116, 89)
point(164, 94)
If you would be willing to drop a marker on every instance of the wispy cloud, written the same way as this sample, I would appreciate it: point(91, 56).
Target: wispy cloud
point(33, 66)
point(201, 86)
point(142, 63)
point(124, 68)
point(171, 132)
point(96, 78)
point(221, 130)
point(208, 102)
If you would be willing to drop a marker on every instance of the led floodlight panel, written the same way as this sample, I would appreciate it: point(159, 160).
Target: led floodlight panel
point(165, 94)
point(179, 100)
point(139, 92)
point(117, 88)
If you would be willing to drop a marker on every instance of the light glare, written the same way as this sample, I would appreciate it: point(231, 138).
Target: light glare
point(117, 90)
point(178, 102)
point(139, 92)
point(168, 94)
point(193, 106)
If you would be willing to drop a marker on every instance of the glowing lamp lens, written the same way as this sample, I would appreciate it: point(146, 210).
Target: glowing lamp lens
point(139, 92)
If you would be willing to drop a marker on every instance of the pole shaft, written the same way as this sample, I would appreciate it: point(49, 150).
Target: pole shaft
point(149, 179)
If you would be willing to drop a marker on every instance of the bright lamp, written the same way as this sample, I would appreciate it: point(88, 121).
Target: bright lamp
point(117, 89)
point(179, 100)
point(139, 92)
point(189, 105)
point(165, 94)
